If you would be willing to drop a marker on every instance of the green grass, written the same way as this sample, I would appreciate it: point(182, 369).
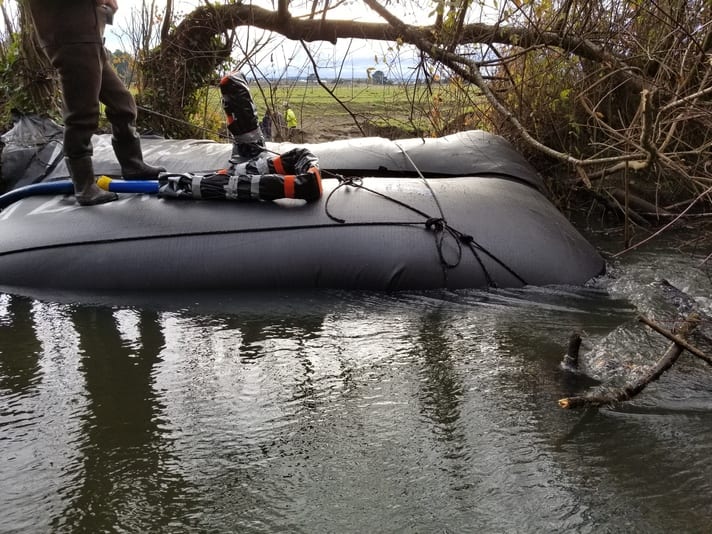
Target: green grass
point(435, 111)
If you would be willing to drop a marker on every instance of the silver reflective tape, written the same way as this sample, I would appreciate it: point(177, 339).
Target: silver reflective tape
point(255, 187)
point(231, 188)
point(195, 186)
point(240, 168)
point(262, 165)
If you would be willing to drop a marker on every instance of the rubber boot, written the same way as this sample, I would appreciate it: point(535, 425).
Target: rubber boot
point(242, 120)
point(86, 191)
point(127, 147)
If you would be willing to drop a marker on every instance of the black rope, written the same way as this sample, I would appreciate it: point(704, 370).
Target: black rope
point(179, 234)
point(468, 239)
point(440, 229)
point(438, 225)
point(474, 246)
point(343, 182)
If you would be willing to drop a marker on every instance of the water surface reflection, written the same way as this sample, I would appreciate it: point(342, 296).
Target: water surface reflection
point(339, 412)
point(125, 475)
point(19, 366)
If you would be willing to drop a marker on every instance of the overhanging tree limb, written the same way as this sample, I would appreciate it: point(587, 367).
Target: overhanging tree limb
point(470, 70)
point(306, 29)
point(197, 30)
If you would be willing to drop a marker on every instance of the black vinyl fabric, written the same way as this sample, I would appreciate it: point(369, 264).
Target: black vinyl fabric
point(31, 150)
point(392, 235)
point(470, 153)
point(462, 211)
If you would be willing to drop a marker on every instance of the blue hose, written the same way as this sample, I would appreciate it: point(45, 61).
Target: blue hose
point(149, 187)
point(65, 187)
point(61, 187)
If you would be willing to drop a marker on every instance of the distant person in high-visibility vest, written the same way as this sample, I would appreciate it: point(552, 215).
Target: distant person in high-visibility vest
point(291, 119)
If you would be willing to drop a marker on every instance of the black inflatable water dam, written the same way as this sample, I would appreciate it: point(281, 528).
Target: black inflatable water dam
point(464, 211)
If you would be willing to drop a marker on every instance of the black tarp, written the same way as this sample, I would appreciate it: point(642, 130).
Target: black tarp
point(32, 149)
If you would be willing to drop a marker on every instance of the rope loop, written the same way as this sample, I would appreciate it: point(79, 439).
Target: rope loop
point(435, 224)
point(353, 181)
point(344, 181)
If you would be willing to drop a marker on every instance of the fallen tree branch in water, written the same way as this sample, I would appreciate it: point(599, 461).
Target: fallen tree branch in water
point(629, 391)
point(668, 225)
point(676, 339)
point(705, 260)
point(571, 358)
point(642, 206)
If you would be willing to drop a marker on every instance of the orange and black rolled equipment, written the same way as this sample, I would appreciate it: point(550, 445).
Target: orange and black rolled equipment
point(294, 174)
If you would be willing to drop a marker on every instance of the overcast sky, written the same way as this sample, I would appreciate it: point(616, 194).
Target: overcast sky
point(352, 57)
point(347, 58)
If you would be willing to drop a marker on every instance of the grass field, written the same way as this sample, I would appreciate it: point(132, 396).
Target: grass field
point(354, 109)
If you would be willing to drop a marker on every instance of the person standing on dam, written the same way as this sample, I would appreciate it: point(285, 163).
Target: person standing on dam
point(71, 34)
